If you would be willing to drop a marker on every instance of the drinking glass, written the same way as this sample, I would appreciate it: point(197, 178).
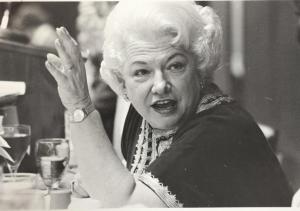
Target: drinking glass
point(52, 157)
point(18, 138)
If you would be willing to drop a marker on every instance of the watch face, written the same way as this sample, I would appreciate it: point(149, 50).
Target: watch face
point(78, 115)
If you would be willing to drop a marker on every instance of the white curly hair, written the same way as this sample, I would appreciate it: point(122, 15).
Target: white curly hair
point(191, 27)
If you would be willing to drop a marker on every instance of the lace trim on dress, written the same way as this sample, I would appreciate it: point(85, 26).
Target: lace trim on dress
point(140, 156)
point(149, 146)
point(161, 191)
point(213, 99)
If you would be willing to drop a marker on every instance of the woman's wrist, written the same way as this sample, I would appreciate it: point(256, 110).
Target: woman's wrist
point(79, 113)
point(80, 104)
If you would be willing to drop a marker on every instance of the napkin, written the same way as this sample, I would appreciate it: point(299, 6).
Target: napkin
point(4, 144)
point(3, 153)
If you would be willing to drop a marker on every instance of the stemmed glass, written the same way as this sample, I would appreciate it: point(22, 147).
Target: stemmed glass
point(52, 157)
point(18, 138)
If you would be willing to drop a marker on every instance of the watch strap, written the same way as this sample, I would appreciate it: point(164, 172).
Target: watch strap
point(89, 109)
point(85, 112)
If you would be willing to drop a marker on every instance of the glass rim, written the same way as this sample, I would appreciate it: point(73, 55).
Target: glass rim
point(51, 140)
point(15, 125)
point(18, 176)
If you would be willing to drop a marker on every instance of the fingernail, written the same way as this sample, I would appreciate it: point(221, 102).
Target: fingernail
point(59, 30)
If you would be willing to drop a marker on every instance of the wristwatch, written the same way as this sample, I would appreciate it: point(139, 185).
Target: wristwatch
point(79, 114)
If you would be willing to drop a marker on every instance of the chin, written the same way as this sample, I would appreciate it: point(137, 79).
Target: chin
point(164, 124)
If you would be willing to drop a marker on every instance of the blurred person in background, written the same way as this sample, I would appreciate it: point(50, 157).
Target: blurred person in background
point(90, 25)
point(35, 22)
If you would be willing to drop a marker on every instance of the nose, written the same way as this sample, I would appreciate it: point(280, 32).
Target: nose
point(160, 84)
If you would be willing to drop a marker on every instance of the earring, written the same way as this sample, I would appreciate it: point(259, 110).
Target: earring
point(124, 91)
point(125, 96)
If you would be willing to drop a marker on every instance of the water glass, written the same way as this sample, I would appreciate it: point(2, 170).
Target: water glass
point(52, 157)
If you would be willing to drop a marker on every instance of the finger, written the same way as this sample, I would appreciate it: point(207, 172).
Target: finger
point(83, 54)
point(67, 41)
point(64, 56)
point(58, 76)
point(54, 60)
point(69, 36)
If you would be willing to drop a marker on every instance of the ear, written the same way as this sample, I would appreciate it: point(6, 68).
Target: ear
point(122, 85)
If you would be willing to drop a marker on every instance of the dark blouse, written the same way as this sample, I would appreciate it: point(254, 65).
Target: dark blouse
point(220, 158)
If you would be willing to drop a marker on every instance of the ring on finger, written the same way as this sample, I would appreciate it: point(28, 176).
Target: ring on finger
point(68, 68)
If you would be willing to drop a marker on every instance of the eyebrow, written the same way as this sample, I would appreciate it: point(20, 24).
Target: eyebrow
point(139, 62)
point(165, 61)
point(174, 55)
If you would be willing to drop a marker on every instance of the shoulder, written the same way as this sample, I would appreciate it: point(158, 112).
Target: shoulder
point(222, 125)
point(221, 158)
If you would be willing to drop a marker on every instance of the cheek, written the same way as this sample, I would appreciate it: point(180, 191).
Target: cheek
point(187, 83)
point(132, 92)
point(189, 89)
point(136, 92)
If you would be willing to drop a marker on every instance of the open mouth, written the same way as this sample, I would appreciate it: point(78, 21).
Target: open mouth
point(164, 106)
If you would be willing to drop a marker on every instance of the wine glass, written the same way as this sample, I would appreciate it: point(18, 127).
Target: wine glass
point(18, 138)
point(52, 157)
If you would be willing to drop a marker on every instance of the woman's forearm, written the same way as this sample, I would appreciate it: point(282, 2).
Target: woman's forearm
point(102, 172)
point(103, 175)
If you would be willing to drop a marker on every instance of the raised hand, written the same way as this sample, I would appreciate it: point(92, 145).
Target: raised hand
point(69, 71)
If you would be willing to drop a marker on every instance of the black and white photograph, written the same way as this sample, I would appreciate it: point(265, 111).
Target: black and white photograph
point(149, 104)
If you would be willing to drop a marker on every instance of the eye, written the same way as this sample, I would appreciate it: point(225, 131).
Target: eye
point(141, 72)
point(176, 66)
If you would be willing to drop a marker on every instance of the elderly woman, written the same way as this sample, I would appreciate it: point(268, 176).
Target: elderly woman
point(185, 143)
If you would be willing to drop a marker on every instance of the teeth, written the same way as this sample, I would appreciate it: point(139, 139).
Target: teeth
point(164, 106)
point(163, 102)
